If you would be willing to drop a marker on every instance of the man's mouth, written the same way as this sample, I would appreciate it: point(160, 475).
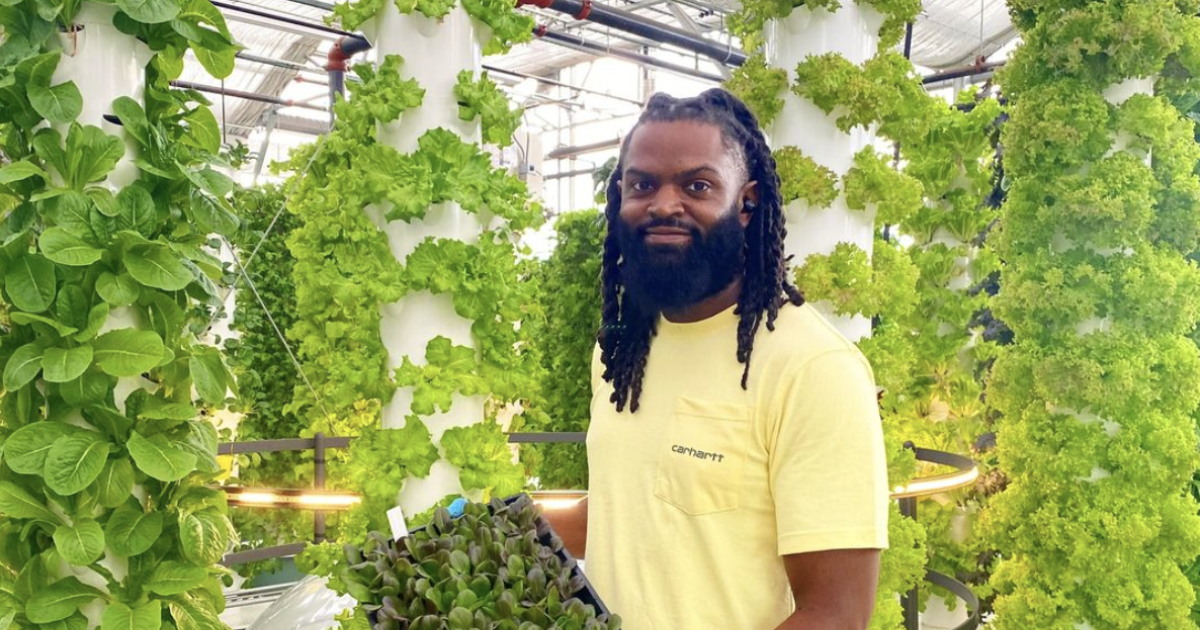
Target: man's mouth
point(667, 236)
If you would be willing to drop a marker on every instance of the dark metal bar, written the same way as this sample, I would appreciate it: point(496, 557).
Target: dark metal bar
point(910, 601)
point(960, 462)
point(316, 4)
point(265, 553)
point(547, 438)
point(562, 174)
point(278, 63)
point(318, 484)
point(250, 96)
point(908, 33)
point(567, 152)
point(579, 43)
point(632, 23)
point(275, 446)
point(284, 19)
point(959, 73)
point(561, 84)
point(961, 591)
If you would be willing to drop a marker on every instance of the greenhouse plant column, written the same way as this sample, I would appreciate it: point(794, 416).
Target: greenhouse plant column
point(104, 506)
point(1099, 390)
point(852, 31)
point(437, 51)
point(409, 291)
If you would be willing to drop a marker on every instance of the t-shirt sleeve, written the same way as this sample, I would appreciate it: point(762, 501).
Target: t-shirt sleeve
point(828, 469)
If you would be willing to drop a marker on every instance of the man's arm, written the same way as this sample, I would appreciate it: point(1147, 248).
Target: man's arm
point(571, 525)
point(834, 590)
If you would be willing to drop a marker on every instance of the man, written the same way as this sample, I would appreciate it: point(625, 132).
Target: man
point(737, 473)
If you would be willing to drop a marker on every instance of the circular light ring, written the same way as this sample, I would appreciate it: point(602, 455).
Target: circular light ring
point(967, 473)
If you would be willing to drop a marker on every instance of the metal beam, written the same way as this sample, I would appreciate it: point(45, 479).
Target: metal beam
point(563, 153)
point(579, 43)
point(638, 25)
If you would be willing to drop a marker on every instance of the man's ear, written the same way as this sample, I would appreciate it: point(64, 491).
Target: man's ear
point(748, 200)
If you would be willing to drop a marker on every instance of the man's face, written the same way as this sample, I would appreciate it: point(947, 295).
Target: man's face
point(681, 228)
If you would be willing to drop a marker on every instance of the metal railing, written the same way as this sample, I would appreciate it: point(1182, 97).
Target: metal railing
point(907, 500)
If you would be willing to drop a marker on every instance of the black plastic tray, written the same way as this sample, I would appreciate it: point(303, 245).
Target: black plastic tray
point(587, 594)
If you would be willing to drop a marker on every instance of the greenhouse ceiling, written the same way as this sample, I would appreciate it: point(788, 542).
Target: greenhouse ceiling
point(283, 59)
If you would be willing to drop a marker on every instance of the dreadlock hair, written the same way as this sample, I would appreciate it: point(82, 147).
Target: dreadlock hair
point(625, 331)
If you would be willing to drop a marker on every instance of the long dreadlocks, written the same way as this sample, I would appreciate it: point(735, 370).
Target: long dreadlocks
point(625, 332)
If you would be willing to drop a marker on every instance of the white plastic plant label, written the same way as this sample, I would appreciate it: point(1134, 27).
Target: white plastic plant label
point(396, 520)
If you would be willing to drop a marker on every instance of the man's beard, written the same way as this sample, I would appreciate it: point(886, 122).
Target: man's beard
point(669, 278)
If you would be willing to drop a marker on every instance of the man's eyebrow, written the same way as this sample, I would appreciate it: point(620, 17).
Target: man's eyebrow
point(691, 172)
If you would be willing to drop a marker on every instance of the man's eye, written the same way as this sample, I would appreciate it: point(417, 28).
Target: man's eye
point(699, 187)
point(642, 186)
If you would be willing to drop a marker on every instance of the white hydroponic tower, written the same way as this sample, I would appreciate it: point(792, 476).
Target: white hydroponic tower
point(434, 53)
point(853, 32)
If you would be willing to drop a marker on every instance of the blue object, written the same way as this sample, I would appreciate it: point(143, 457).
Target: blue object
point(456, 508)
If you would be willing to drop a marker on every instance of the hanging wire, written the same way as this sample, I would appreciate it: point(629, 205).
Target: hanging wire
point(287, 198)
point(279, 333)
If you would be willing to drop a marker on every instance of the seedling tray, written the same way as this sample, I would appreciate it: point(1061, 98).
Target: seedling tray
point(587, 594)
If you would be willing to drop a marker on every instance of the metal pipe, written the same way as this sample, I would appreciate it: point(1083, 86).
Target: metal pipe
point(560, 84)
point(319, 484)
point(565, 174)
point(958, 73)
point(342, 50)
point(316, 4)
point(636, 24)
point(250, 96)
point(579, 43)
point(278, 63)
point(567, 152)
point(285, 19)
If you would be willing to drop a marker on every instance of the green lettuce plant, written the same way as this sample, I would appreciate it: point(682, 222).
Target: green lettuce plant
point(569, 293)
point(759, 87)
point(483, 99)
point(107, 293)
point(873, 183)
point(1098, 391)
point(803, 178)
point(507, 26)
point(345, 271)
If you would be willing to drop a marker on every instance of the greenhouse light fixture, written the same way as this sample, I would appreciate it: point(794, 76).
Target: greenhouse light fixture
point(293, 499)
point(933, 485)
point(558, 499)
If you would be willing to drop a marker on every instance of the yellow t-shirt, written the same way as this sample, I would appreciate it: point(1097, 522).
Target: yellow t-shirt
point(694, 499)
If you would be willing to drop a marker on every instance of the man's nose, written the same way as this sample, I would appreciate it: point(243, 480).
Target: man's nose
point(668, 202)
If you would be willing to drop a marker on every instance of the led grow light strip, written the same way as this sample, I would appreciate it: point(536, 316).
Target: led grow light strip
point(297, 499)
point(933, 485)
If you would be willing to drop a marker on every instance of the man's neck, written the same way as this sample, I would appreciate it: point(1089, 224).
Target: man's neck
point(707, 307)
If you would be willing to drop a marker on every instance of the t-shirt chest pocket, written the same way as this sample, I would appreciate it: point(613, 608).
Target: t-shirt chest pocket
point(702, 456)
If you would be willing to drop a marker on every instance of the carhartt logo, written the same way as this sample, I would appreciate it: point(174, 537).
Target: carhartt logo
point(687, 450)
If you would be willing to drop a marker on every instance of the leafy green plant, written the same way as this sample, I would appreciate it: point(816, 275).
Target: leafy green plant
point(107, 291)
point(847, 280)
point(483, 99)
point(760, 87)
point(496, 566)
point(802, 178)
point(265, 372)
point(349, 184)
point(507, 25)
point(1098, 391)
point(747, 23)
point(569, 293)
point(872, 182)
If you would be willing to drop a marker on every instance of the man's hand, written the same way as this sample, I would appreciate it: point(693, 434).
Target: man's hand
point(834, 590)
point(571, 525)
